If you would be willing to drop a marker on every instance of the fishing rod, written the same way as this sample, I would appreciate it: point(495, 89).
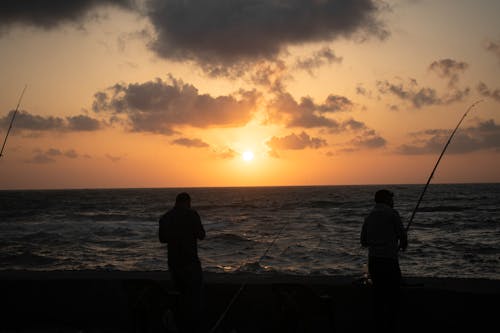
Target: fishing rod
point(437, 163)
point(12, 120)
point(238, 292)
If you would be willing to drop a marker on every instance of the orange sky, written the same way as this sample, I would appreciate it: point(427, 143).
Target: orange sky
point(128, 93)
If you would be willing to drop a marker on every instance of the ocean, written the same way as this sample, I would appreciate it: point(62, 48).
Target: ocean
point(315, 229)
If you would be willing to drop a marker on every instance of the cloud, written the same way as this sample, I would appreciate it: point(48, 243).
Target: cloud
point(82, 123)
point(485, 135)
point(225, 153)
point(159, 106)
point(270, 74)
point(493, 47)
point(51, 155)
point(50, 14)
point(295, 142)
point(227, 32)
point(448, 69)
point(486, 92)
point(360, 90)
point(284, 109)
point(197, 143)
point(25, 121)
point(369, 139)
point(318, 59)
point(420, 97)
point(114, 158)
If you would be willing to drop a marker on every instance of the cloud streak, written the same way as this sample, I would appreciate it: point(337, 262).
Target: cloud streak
point(483, 89)
point(295, 142)
point(160, 106)
point(51, 155)
point(307, 114)
point(191, 143)
point(484, 136)
point(318, 59)
point(493, 47)
point(420, 97)
point(26, 121)
point(449, 69)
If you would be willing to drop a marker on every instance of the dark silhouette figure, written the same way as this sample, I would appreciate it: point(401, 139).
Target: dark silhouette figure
point(384, 234)
point(181, 228)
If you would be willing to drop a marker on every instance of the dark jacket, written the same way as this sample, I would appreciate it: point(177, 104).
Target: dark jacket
point(180, 228)
point(383, 232)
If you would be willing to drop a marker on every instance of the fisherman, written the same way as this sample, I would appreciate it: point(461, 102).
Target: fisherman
point(181, 228)
point(384, 234)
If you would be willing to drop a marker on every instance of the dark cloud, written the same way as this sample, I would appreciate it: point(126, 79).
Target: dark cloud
point(485, 135)
point(486, 92)
point(197, 143)
point(295, 142)
point(284, 109)
point(420, 97)
point(26, 121)
point(49, 14)
point(83, 123)
point(318, 59)
point(353, 125)
point(159, 106)
point(228, 32)
point(449, 69)
point(493, 47)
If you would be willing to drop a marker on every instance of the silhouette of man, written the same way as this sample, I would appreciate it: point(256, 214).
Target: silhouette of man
point(384, 234)
point(181, 228)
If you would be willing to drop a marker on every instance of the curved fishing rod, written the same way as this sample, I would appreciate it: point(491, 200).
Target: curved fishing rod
point(238, 292)
point(12, 120)
point(437, 163)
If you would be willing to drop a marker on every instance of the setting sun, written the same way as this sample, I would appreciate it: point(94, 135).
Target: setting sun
point(247, 156)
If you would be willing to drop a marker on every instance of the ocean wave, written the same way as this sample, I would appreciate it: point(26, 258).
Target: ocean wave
point(43, 238)
point(325, 204)
point(230, 238)
point(101, 216)
point(432, 209)
point(27, 258)
point(115, 232)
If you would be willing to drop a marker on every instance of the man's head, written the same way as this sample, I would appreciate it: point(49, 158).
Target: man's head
point(183, 200)
point(384, 196)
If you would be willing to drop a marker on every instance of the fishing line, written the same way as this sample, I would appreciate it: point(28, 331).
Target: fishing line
point(12, 120)
point(437, 163)
point(238, 292)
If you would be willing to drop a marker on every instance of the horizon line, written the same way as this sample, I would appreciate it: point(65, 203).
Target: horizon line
point(235, 186)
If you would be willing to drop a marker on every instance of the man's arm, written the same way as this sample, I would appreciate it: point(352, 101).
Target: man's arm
point(162, 231)
point(199, 231)
point(363, 237)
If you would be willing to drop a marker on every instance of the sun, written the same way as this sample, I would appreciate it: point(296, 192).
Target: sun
point(247, 156)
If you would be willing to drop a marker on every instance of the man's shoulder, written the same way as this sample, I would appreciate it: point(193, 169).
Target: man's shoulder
point(383, 210)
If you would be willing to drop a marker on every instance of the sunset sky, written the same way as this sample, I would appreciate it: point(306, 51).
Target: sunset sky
point(173, 93)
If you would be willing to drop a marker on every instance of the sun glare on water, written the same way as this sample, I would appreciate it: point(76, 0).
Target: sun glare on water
point(247, 156)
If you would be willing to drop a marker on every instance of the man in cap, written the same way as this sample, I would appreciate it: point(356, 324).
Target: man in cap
point(384, 234)
point(181, 229)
